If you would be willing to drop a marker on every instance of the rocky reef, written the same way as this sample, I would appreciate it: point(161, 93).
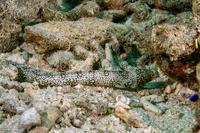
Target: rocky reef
point(170, 5)
point(114, 35)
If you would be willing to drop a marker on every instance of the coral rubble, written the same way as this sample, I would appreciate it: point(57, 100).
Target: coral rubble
point(122, 35)
point(176, 41)
point(115, 4)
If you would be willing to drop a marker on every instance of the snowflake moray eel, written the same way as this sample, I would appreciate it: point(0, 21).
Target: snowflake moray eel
point(118, 79)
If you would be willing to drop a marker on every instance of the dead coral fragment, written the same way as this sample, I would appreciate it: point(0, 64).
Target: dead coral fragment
point(87, 32)
point(115, 4)
point(131, 117)
point(23, 11)
point(112, 15)
point(176, 41)
point(87, 9)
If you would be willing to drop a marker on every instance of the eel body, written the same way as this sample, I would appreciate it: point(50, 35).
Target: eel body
point(118, 79)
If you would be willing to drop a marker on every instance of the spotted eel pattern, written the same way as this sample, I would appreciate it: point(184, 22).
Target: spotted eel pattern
point(118, 79)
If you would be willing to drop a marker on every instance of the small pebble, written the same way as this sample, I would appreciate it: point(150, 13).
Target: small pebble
point(14, 106)
point(136, 104)
point(29, 118)
point(49, 117)
point(77, 123)
point(130, 117)
point(79, 86)
point(24, 97)
point(66, 89)
point(168, 89)
point(93, 121)
point(65, 106)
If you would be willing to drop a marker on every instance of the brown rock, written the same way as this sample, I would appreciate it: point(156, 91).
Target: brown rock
point(176, 41)
point(112, 15)
point(9, 35)
point(23, 11)
point(87, 32)
point(130, 117)
point(86, 9)
point(24, 97)
point(49, 117)
point(115, 4)
point(14, 106)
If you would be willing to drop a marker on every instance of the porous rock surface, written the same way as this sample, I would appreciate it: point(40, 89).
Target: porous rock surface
point(9, 36)
point(86, 9)
point(23, 11)
point(176, 41)
point(170, 5)
point(115, 4)
point(13, 15)
point(88, 32)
